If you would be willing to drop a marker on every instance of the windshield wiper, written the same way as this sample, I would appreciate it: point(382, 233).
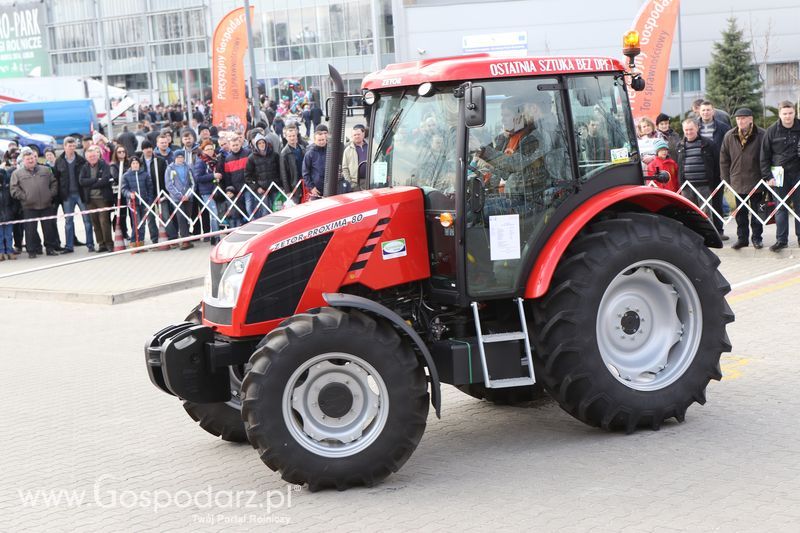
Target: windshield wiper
point(390, 128)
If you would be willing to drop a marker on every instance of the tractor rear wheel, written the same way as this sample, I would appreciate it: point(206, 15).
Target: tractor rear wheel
point(334, 399)
point(633, 326)
point(221, 419)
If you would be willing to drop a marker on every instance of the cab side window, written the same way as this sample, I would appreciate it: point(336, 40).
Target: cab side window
point(603, 134)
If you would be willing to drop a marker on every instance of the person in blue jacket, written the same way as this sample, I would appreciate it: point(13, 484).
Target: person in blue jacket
point(180, 184)
point(207, 178)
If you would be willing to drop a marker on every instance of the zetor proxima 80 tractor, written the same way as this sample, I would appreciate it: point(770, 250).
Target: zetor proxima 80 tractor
point(505, 244)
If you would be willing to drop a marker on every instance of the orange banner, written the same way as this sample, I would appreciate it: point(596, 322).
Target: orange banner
point(656, 26)
point(227, 72)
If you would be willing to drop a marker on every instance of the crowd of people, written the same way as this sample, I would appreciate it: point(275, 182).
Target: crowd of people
point(710, 151)
point(215, 178)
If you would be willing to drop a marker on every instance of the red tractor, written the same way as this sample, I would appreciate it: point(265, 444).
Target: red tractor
point(505, 244)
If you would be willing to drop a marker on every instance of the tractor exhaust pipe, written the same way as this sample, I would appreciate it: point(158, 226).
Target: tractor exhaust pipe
point(336, 117)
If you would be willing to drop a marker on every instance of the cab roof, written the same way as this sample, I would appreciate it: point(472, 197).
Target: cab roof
point(485, 66)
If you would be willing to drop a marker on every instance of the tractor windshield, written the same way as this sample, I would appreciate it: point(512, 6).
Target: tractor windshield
point(414, 141)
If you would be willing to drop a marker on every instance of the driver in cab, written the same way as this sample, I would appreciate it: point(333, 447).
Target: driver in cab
point(516, 155)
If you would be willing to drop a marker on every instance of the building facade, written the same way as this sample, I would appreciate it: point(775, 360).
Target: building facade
point(158, 48)
point(596, 28)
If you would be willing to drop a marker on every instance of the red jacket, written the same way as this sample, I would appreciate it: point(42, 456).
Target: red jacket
point(657, 165)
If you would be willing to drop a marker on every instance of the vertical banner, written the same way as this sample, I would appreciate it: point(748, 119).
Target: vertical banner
point(655, 23)
point(227, 72)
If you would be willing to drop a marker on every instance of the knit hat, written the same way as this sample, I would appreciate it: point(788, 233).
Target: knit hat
point(660, 144)
point(662, 117)
point(179, 153)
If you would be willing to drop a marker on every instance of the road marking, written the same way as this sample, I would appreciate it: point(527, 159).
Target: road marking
point(732, 366)
point(764, 277)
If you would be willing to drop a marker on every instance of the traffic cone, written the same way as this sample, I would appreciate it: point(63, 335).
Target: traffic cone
point(162, 237)
point(119, 242)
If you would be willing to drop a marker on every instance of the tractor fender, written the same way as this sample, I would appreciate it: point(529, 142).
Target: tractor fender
point(659, 201)
point(339, 299)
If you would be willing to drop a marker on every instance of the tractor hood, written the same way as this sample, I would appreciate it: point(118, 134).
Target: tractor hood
point(289, 226)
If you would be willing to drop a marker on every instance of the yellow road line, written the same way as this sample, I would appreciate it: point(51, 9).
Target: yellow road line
point(732, 366)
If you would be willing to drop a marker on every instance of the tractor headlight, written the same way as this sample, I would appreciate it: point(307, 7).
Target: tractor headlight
point(231, 282)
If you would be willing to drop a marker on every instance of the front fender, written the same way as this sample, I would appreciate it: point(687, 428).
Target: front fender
point(660, 201)
point(348, 300)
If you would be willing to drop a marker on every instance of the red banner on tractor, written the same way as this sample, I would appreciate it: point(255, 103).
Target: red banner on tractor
point(227, 72)
point(655, 23)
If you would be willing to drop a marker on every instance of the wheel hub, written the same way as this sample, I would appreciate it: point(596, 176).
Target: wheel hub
point(630, 322)
point(335, 400)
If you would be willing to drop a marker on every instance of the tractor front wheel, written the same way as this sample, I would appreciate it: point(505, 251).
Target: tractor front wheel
point(633, 326)
point(221, 419)
point(334, 399)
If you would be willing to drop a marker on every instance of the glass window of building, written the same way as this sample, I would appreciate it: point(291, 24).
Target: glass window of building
point(691, 81)
point(783, 74)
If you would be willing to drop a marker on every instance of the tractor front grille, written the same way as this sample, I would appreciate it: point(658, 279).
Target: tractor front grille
point(283, 279)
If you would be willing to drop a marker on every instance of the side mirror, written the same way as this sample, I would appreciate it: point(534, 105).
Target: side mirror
point(475, 106)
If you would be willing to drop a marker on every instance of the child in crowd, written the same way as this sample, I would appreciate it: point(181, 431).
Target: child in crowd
point(662, 162)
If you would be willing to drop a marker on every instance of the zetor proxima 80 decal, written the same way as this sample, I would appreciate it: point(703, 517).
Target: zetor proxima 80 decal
point(505, 244)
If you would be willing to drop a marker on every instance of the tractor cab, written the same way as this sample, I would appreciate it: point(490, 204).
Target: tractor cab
point(503, 151)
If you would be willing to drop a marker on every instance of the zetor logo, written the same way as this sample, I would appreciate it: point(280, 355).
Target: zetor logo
point(391, 82)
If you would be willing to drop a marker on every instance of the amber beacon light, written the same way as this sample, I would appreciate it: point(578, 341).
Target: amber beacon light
point(630, 45)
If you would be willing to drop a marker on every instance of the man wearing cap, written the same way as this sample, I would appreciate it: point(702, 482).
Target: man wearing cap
point(314, 163)
point(780, 167)
point(740, 167)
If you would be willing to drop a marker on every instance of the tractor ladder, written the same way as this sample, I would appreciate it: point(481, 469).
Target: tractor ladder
point(521, 335)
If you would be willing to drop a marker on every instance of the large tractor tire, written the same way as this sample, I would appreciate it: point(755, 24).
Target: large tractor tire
point(222, 419)
point(633, 326)
point(334, 399)
point(512, 396)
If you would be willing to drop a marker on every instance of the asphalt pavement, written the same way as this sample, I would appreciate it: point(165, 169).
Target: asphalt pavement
point(90, 445)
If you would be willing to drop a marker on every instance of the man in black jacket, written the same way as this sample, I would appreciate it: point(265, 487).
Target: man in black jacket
point(713, 130)
point(780, 167)
point(67, 171)
point(291, 162)
point(95, 179)
point(261, 171)
point(697, 165)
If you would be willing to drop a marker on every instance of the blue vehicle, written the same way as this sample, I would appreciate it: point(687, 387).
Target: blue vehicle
point(35, 141)
point(58, 119)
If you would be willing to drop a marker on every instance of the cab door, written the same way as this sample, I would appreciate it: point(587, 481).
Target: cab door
point(519, 172)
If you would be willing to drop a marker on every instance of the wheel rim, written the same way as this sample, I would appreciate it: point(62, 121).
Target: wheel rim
point(335, 404)
point(649, 325)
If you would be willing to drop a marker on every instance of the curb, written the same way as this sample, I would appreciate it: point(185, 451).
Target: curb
point(102, 298)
